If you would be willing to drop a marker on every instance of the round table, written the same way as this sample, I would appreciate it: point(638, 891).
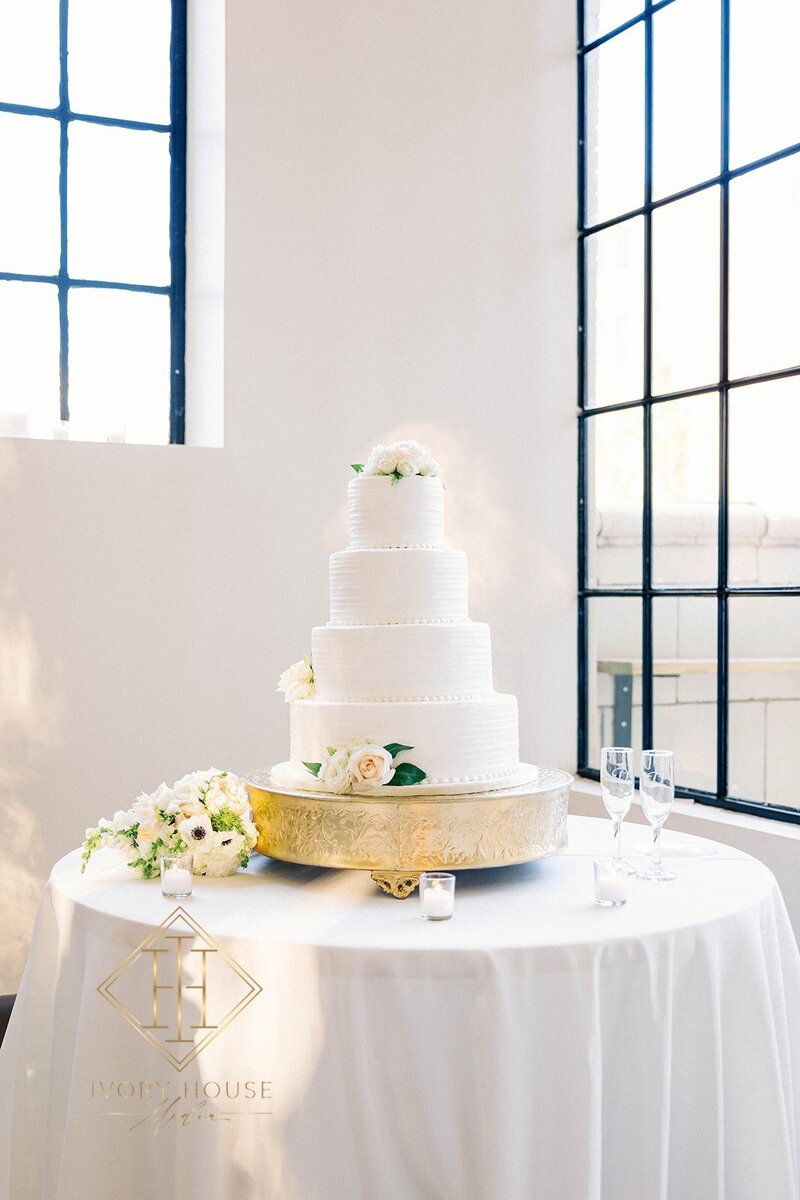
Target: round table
point(537, 1045)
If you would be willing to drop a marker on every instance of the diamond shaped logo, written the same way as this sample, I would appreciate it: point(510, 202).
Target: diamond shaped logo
point(179, 989)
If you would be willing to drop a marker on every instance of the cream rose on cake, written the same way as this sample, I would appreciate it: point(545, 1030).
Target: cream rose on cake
point(371, 765)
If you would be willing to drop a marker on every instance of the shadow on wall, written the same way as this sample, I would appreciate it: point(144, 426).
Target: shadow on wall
point(31, 718)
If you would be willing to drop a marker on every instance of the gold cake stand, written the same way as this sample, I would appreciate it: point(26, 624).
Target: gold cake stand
point(397, 837)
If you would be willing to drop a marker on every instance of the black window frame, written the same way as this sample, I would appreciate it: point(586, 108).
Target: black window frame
point(723, 386)
point(176, 289)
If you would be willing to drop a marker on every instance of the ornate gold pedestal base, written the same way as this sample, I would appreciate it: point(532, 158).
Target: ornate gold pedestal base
point(399, 884)
point(396, 837)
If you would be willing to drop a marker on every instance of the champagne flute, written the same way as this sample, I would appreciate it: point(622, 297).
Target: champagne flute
point(616, 786)
point(657, 785)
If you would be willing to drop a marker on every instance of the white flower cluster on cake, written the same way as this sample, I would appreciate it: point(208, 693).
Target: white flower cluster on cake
point(297, 682)
point(399, 460)
point(207, 813)
point(364, 766)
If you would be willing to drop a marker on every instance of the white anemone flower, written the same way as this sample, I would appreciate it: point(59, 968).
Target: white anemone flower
point(196, 831)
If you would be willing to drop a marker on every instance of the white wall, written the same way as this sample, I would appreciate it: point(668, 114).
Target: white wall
point(399, 260)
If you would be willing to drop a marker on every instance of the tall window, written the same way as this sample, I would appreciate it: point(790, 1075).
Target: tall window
point(689, 346)
point(92, 219)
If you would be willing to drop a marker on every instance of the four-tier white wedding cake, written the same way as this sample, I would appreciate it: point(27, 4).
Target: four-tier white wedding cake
point(398, 690)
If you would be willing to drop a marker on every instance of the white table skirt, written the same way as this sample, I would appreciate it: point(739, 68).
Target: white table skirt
point(535, 1046)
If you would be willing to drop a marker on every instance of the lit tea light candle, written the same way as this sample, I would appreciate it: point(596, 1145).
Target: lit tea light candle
point(610, 884)
point(177, 881)
point(437, 895)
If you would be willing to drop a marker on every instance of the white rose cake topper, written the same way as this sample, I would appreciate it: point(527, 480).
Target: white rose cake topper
point(399, 460)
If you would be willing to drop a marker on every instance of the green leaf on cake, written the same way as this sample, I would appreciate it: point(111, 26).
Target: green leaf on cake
point(314, 768)
point(357, 467)
point(405, 775)
point(395, 748)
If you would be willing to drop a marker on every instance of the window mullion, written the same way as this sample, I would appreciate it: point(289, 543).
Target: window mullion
point(724, 292)
point(177, 223)
point(63, 287)
point(647, 431)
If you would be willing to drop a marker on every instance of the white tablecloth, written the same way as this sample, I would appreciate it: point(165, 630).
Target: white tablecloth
point(535, 1046)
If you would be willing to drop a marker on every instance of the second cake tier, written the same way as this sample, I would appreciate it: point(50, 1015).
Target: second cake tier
point(447, 661)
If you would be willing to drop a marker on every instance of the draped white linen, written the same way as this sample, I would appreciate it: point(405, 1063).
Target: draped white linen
point(534, 1046)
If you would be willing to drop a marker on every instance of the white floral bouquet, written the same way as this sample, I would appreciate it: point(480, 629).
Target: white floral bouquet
point(207, 813)
point(399, 460)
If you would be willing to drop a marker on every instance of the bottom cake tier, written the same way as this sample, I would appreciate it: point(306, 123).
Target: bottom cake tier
point(463, 745)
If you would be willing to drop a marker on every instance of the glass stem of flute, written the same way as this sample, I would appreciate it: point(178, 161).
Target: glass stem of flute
point(657, 844)
point(616, 825)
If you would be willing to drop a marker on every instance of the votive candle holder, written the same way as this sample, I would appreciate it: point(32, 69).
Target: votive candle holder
point(176, 875)
point(437, 895)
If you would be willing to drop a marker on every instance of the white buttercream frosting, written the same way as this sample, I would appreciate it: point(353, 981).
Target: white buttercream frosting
point(390, 587)
point(447, 661)
point(400, 661)
point(383, 512)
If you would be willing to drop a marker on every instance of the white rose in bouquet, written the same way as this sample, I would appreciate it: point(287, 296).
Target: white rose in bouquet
point(371, 766)
point(236, 795)
point(186, 793)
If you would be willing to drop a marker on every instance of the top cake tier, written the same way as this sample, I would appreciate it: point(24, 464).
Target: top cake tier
point(383, 513)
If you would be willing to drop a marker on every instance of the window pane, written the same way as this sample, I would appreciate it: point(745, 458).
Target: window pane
point(615, 126)
point(614, 457)
point(764, 519)
point(615, 313)
point(686, 293)
point(119, 58)
point(685, 686)
point(764, 698)
point(119, 365)
point(765, 115)
point(686, 491)
point(686, 100)
point(765, 268)
point(614, 675)
point(29, 208)
point(604, 15)
point(29, 395)
point(29, 62)
point(118, 204)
